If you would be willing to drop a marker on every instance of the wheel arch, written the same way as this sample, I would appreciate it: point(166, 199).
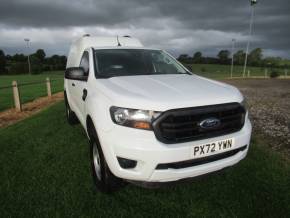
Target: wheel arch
point(91, 129)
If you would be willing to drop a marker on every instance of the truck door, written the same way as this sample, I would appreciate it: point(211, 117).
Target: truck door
point(80, 89)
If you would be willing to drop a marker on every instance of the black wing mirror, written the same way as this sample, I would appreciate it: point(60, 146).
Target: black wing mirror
point(76, 73)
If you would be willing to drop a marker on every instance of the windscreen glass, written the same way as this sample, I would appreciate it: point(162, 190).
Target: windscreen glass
point(126, 62)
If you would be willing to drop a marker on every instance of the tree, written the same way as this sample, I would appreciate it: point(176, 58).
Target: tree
point(255, 57)
point(18, 68)
point(63, 61)
point(184, 58)
point(8, 57)
point(36, 65)
point(55, 62)
point(209, 60)
point(223, 56)
point(271, 62)
point(19, 58)
point(239, 57)
point(40, 54)
point(2, 62)
point(197, 57)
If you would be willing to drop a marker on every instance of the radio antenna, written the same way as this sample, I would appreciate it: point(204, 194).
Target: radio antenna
point(119, 44)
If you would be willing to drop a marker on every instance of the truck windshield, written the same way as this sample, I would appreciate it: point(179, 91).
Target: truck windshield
point(126, 62)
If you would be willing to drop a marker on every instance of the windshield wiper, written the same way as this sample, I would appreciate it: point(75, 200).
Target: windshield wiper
point(170, 73)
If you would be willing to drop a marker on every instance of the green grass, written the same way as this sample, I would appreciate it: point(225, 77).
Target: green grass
point(45, 172)
point(284, 62)
point(223, 71)
point(29, 92)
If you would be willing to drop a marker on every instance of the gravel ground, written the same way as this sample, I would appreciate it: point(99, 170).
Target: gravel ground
point(269, 106)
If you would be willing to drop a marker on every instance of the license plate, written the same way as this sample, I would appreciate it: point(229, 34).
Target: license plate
point(213, 147)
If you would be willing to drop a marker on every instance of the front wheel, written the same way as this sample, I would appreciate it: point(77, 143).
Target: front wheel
point(104, 179)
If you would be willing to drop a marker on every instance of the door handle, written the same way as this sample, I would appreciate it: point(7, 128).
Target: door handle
point(73, 84)
point(85, 93)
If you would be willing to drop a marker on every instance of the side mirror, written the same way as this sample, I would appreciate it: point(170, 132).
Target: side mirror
point(76, 73)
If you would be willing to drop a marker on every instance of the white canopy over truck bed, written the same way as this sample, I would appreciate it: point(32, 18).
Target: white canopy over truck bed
point(77, 48)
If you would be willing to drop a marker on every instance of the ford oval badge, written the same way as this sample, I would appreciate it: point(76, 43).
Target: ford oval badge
point(210, 123)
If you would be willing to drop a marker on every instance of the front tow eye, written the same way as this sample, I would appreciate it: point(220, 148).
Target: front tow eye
point(85, 93)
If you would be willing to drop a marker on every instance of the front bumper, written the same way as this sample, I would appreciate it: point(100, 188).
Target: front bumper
point(142, 146)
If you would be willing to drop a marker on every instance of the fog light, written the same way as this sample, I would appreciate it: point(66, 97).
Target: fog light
point(126, 163)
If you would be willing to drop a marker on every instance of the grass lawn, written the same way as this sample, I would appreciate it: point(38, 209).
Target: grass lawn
point(223, 71)
point(45, 172)
point(29, 92)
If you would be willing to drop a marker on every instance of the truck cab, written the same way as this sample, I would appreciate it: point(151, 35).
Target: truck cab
point(147, 117)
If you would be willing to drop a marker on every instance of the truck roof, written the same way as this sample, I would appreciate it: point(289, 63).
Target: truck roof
point(80, 45)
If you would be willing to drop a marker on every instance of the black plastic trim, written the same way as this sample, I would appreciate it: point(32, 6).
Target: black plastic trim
point(201, 110)
point(200, 161)
point(126, 163)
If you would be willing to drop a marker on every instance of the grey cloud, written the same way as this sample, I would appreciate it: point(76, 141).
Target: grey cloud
point(178, 26)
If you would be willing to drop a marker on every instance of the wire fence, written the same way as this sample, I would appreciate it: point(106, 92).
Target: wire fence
point(30, 83)
point(16, 94)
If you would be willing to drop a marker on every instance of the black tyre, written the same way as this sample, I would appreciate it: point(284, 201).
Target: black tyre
point(104, 179)
point(70, 115)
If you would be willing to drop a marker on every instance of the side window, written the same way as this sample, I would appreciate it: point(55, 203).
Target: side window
point(85, 64)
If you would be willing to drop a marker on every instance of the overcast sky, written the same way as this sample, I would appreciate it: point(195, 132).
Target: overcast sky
point(179, 26)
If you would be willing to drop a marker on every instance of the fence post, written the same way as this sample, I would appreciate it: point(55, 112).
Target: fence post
point(48, 87)
point(16, 96)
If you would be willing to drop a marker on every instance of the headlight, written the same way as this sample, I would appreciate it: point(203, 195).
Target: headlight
point(140, 119)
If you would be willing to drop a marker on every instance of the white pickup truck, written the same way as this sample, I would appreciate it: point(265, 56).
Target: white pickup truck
point(148, 118)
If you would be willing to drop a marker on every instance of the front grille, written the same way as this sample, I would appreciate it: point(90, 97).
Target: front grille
point(199, 161)
point(183, 125)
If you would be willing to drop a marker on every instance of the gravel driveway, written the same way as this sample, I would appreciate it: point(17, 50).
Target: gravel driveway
point(269, 106)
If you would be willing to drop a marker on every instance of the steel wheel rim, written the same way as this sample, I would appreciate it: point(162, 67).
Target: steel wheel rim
point(97, 161)
point(67, 111)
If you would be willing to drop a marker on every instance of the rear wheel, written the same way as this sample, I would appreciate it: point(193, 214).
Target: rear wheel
point(70, 115)
point(104, 179)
